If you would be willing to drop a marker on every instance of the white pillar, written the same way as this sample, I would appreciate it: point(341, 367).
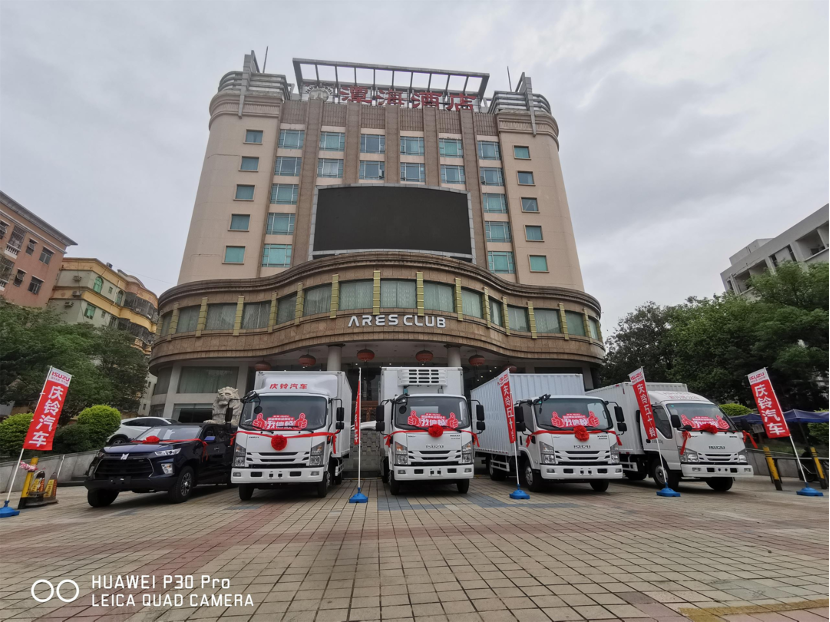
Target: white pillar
point(333, 362)
point(453, 356)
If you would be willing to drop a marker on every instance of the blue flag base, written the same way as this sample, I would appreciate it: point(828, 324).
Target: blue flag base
point(667, 492)
point(519, 494)
point(7, 512)
point(358, 497)
point(805, 492)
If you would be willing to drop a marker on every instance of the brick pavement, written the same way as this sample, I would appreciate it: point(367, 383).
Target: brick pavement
point(432, 555)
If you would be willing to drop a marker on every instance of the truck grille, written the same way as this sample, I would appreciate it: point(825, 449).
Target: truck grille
point(717, 458)
point(434, 458)
point(276, 459)
point(582, 457)
point(109, 467)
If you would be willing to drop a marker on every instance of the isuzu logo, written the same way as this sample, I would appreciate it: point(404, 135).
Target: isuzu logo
point(435, 447)
point(717, 446)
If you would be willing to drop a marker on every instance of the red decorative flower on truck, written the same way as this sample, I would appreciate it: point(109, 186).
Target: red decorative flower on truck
point(279, 442)
point(581, 433)
point(435, 430)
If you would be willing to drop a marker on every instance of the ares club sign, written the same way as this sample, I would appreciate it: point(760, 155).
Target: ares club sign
point(428, 321)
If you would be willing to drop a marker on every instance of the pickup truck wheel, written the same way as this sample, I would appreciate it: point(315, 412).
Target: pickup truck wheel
point(599, 485)
point(530, 477)
point(496, 475)
point(185, 482)
point(101, 498)
point(658, 473)
point(246, 491)
point(394, 485)
point(463, 486)
point(323, 485)
point(721, 484)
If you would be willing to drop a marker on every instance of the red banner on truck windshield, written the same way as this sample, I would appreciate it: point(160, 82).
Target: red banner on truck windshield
point(768, 406)
point(638, 383)
point(504, 387)
point(49, 406)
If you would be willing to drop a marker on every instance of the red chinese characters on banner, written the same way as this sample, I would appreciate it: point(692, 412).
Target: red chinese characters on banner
point(572, 419)
point(280, 422)
point(638, 382)
point(507, 398)
point(700, 421)
point(49, 406)
point(391, 98)
point(428, 419)
point(355, 94)
point(288, 386)
point(768, 406)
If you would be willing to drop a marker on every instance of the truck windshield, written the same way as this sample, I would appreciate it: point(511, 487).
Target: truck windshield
point(567, 412)
point(423, 411)
point(172, 433)
point(285, 412)
point(698, 414)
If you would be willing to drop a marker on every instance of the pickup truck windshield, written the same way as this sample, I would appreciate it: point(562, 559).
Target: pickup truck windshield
point(285, 412)
point(699, 414)
point(173, 433)
point(422, 412)
point(567, 412)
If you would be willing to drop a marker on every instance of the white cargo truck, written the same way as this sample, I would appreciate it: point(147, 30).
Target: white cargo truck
point(697, 440)
point(427, 425)
point(549, 410)
point(292, 431)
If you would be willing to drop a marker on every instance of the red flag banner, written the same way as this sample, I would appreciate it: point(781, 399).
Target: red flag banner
point(638, 382)
point(768, 406)
point(507, 397)
point(49, 406)
point(357, 412)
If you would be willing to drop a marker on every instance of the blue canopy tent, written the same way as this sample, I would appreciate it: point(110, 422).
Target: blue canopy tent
point(790, 416)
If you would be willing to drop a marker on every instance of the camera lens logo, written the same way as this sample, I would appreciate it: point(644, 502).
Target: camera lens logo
point(55, 591)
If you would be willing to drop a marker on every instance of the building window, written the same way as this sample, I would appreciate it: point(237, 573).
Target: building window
point(46, 255)
point(452, 174)
point(3, 228)
point(332, 141)
point(593, 327)
point(533, 233)
point(496, 312)
point(221, 316)
point(234, 254)
point(412, 172)
point(286, 308)
point(119, 297)
point(397, 294)
point(98, 284)
point(450, 147)
point(206, 379)
point(284, 194)
point(412, 145)
point(525, 178)
point(109, 291)
point(521, 153)
point(371, 170)
point(249, 164)
point(18, 278)
point(492, 177)
point(576, 323)
point(253, 136)
point(356, 295)
point(330, 168)
point(538, 263)
point(288, 167)
point(244, 193)
point(30, 247)
point(494, 203)
point(34, 285)
point(240, 222)
point(439, 297)
point(280, 224)
point(497, 231)
point(276, 255)
point(530, 205)
point(501, 262)
point(292, 139)
point(547, 321)
point(488, 151)
point(372, 143)
point(317, 300)
point(188, 319)
point(163, 382)
point(89, 312)
point(471, 303)
point(518, 319)
point(256, 314)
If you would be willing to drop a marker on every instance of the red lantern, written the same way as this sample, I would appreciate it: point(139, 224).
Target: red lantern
point(306, 360)
point(476, 360)
point(365, 355)
point(424, 356)
point(262, 366)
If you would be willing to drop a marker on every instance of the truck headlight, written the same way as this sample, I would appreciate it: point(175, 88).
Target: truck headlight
point(689, 456)
point(742, 456)
point(238, 455)
point(167, 452)
point(547, 453)
point(467, 452)
point(316, 456)
point(401, 455)
point(615, 453)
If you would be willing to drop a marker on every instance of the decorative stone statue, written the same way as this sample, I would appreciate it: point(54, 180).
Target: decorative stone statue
point(227, 396)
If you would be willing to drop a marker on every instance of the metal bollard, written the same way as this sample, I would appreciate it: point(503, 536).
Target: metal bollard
point(822, 476)
point(773, 470)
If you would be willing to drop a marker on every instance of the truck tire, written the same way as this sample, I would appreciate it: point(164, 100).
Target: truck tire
point(657, 474)
point(246, 491)
point(394, 485)
point(635, 476)
point(463, 486)
point(599, 485)
point(323, 485)
point(496, 475)
point(530, 478)
point(185, 483)
point(101, 498)
point(721, 484)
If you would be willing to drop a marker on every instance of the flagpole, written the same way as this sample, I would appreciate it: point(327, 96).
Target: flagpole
point(358, 497)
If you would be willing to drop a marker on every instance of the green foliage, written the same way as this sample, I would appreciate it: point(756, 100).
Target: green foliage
point(819, 432)
point(100, 422)
point(72, 439)
point(13, 433)
point(735, 410)
point(642, 339)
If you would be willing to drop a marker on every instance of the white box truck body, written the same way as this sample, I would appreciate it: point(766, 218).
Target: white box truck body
point(552, 406)
point(413, 400)
point(688, 451)
point(292, 431)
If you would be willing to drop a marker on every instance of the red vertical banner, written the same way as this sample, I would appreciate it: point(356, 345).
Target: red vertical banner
point(768, 406)
point(507, 397)
point(638, 382)
point(357, 411)
point(42, 428)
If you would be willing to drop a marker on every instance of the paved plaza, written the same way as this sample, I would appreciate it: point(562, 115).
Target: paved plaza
point(429, 555)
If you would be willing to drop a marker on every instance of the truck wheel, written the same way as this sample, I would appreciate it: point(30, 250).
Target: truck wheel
point(394, 485)
point(185, 482)
point(101, 498)
point(635, 476)
point(659, 477)
point(246, 491)
point(323, 485)
point(463, 486)
point(599, 485)
point(496, 475)
point(721, 484)
point(530, 477)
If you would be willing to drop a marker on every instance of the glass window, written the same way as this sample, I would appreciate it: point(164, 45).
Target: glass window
point(234, 254)
point(249, 164)
point(525, 178)
point(89, 312)
point(494, 203)
point(518, 319)
point(317, 300)
point(244, 193)
point(371, 170)
point(533, 233)
point(284, 194)
point(163, 381)
point(547, 321)
point(439, 297)
point(372, 143)
point(412, 145)
point(30, 247)
point(356, 295)
point(496, 312)
point(329, 168)
point(471, 303)
point(206, 379)
point(253, 136)
point(452, 174)
point(165, 323)
point(34, 285)
point(576, 323)
point(98, 284)
point(18, 278)
point(286, 308)
point(593, 327)
point(450, 147)
point(221, 316)
point(529, 205)
point(412, 172)
point(280, 224)
point(287, 167)
point(276, 255)
point(46, 255)
point(492, 177)
point(256, 314)
point(332, 141)
point(662, 422)
point(188, 319)
point(292, 139)
point(501, 262)
point(521, 153)
point(119, 297)
point(538, 263)
point(397, 294)
point(488, 151)
point(497, 231)
point(240, 222)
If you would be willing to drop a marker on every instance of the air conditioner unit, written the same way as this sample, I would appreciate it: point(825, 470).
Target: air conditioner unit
point(69, 303)
point(76, 294)
point(77, 278)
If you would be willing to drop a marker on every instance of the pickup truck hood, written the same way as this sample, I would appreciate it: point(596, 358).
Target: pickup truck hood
point(140, 448)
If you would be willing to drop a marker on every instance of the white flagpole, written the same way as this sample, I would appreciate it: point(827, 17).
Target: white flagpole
point(14, 475)
point(357, 422)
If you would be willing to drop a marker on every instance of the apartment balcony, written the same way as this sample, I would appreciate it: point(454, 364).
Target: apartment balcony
point(12, 251)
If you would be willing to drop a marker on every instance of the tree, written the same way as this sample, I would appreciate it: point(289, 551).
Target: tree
point(642, 339)
point(71, 439)
point(735, 410)
point(100, 422)
point(13, 432)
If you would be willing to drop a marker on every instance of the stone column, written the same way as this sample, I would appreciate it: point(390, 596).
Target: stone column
point(453, 356)
point(333, 362)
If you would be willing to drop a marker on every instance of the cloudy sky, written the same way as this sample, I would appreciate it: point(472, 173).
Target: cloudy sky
point(688, 129)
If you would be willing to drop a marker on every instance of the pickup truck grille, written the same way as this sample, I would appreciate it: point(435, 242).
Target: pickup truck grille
point(115, 467)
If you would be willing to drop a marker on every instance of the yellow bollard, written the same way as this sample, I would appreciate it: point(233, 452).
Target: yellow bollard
point(819, 471)
point(26, 483)
point(773, 470)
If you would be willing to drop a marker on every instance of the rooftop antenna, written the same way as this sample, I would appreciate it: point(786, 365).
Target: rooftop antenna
point(265, 62)
point(509, 82)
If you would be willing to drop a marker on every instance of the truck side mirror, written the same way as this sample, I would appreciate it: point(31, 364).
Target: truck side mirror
point(379, 413)
point(519, 414)
point(340, 425)
point(618, 413)
point(622, 426)
point(675, 421)
point(520, 426)
point(480, 412)
point(380, 426)
point(480, 425)
point(341, 415)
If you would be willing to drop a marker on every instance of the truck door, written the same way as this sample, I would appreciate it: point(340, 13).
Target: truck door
point(212, 468)
point(668, 441)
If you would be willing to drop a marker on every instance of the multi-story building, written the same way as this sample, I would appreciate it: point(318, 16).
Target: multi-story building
point(374, 214)
point(805, 242)
point(31, 251)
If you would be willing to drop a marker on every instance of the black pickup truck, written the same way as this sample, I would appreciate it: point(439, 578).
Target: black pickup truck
point(173, 458)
